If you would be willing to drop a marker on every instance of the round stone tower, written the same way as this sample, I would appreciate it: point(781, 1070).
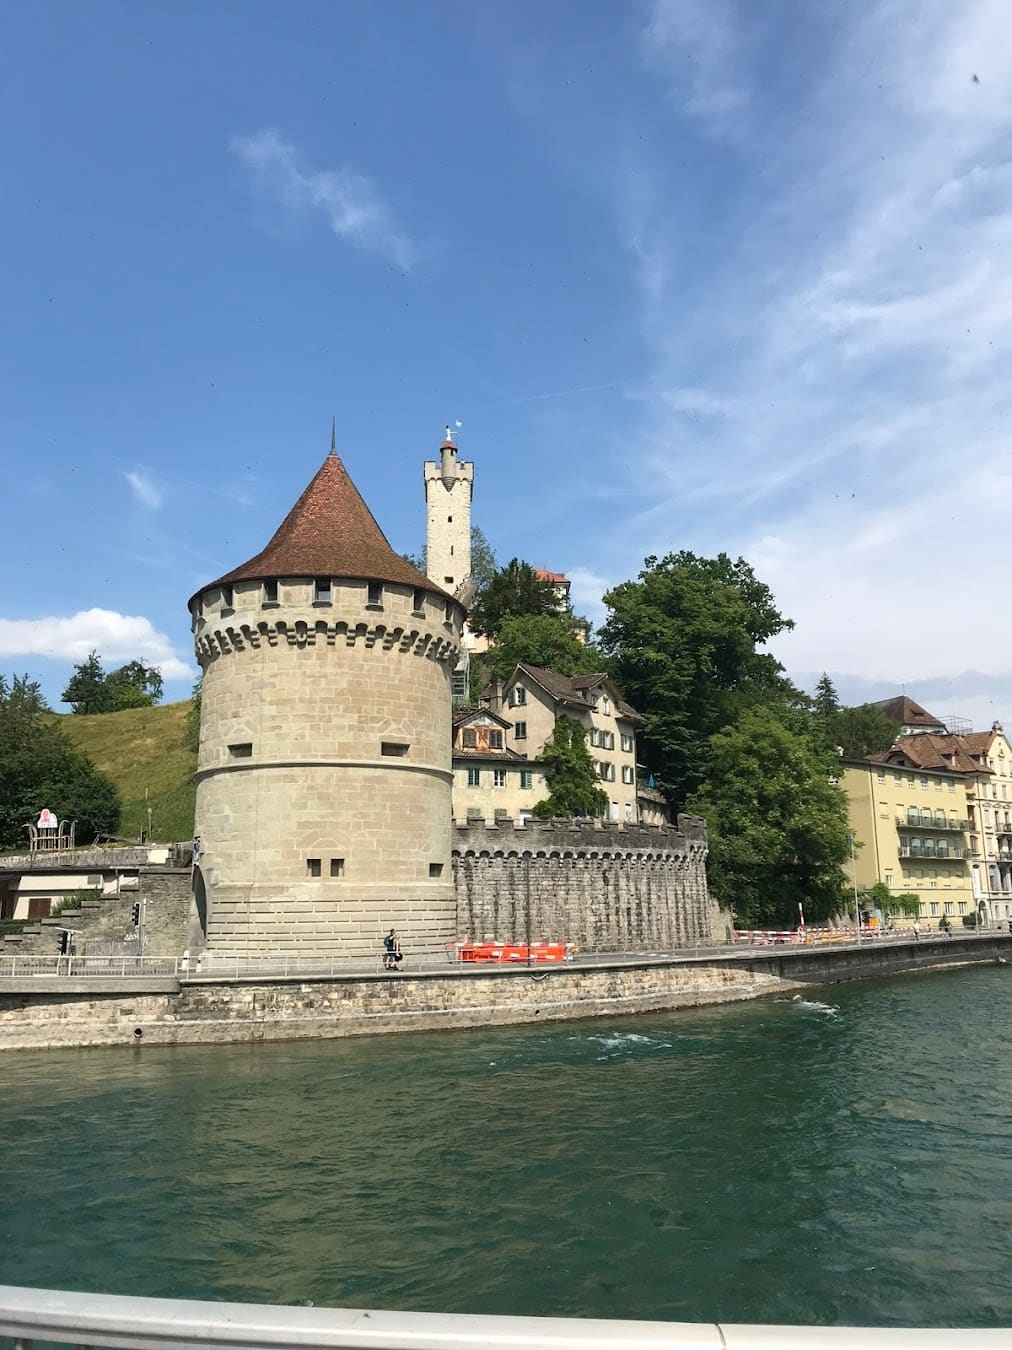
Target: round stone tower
point(323, 779)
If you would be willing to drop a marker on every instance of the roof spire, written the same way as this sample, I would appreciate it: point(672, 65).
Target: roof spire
point(333, 435)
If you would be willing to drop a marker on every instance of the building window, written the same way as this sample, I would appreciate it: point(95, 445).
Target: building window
point(469, 738)
point(627, 773)
point(924, 784)
point(495, 740)
point(962, 906)
point(418, 602)
point(394, 749)
point(628, 813)
point(526, 778)
point(889, 880)
point(448, 581)
point(270, 593)
point(337, 867)
point(435, 869)
point(606, 771)
point(449, 520)
point(448, 610)
point(606, 706)
point(226, 599)
point(322, 591)
point(948, 906)
point(520, 731)
point(518, 696)
point(375, 594)
point(627, 743)
point(242, 750)
point(313, 866)
point(498, 778)
point(474, 778)
point(880, 777)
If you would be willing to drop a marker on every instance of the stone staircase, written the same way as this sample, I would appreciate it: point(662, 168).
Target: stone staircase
point(105, 923)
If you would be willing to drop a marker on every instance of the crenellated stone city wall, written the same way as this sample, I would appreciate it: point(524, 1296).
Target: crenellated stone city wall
point(604, 887)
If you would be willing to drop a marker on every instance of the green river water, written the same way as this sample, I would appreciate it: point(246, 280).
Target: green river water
point(845, 1158)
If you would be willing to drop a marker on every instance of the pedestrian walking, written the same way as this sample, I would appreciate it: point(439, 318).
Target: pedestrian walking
point(392, 954)
point(917, 931)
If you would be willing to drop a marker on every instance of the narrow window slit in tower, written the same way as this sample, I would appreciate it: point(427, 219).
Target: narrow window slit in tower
point(435, 869)
point(322, 591)
point(375, 595)
point(395, 748)
point(313, 867)
point(241, 750)
point(270, 593)
point(337, 867)
point(418, 603)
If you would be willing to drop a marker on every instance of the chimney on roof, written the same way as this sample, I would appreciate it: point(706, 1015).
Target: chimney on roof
point(495, 697)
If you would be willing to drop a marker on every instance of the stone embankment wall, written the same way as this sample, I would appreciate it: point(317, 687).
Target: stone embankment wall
point(209, 1011)
point(604, 887)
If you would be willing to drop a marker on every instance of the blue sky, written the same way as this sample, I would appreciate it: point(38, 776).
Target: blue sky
point(691, 274)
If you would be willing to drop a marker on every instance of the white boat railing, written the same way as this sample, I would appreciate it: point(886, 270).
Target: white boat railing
point(128, 1323)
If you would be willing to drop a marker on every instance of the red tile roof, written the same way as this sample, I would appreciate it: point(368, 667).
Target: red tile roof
point(543, 574)
point(946, 753)
point(569, 689)
point(329, 532)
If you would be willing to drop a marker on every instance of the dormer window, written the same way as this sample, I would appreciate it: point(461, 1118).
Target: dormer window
point(518, 696)
point(322, 591)
point(469, 738)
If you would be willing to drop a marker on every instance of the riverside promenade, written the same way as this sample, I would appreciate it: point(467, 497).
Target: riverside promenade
point(49, 1002)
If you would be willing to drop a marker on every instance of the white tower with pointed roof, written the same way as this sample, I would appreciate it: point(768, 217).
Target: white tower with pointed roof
point(449, 484)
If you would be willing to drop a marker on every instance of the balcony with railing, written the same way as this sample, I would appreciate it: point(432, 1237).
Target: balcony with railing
point(940, 853)
point(932, 822)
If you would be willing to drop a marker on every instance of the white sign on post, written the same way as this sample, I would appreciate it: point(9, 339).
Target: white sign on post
point(47, 821)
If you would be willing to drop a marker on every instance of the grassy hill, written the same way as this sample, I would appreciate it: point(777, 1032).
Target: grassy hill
point(142, 751)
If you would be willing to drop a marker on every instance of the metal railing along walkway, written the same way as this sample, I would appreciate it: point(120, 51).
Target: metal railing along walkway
point(209, 966)
point(29, 1315)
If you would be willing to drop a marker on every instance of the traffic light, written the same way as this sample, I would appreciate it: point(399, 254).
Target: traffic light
point(64, 941)
point(135, 914)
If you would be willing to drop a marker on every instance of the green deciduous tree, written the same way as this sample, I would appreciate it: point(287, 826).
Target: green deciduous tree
point(483, 563)
point(570, 774)
point(135, 685)
point(91, 690)
point(547, 640)
point(683, 644)
point(191, 727)
point(40, 766)
point(777, 824)
point(512, 592)
point(860, 731)
point(87, 691)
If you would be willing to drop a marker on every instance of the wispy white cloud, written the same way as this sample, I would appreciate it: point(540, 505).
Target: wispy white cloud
point(832, 400)
point(348, 200)
point(586, 589)
point(117, 637)
point(145, 489)
point(697, 43)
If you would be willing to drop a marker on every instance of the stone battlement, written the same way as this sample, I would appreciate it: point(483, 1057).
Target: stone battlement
point(300, 633)
point(578, 835)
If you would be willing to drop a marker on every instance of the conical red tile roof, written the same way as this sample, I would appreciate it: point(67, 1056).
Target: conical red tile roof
point(329, 532)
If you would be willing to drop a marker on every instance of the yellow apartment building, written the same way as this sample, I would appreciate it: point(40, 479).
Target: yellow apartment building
point(911, 825)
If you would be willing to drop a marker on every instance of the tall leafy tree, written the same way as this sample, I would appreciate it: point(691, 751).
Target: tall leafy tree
point(777, 823)
point(860, 731)
point(512, 592)
point(683, 642)
point(40, 766)
point(87, 690)
point(547, 640)
point(135, 685)
point(483, 563)
point(92, 690)
point(573, 788)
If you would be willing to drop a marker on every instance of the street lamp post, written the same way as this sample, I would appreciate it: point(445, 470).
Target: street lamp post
point(857, 904)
